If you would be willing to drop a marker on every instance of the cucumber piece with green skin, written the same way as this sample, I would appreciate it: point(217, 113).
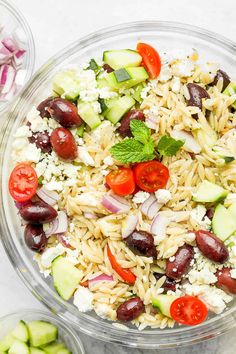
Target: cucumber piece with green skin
point(64, 83)
point(223, 222)
point(18, 347)
point(64, 351)
point(53, 348)
point(41, 332)
point(89, 116)
point(36, 351)
point(80, 131)
point(137, 93)
point(122, 58)
point(21, 332)
point(119, 107)
point(231, 90)
point(6, 342)
point(232, 209)
point(208, 192)
point(66, 277)
point(163, 303)
point(136, 74)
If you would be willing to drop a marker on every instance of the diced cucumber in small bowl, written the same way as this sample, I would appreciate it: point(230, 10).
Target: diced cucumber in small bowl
point(37, 332)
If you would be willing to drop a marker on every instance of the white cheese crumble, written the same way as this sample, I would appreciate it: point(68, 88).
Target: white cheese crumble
point(86, 199)
point(38, 124)
point(204, 276)
point(198, 215)
point(140, 197)
point(85, 157)
point(165, 74)
point(96, 107)
point(23, 132)
point(163, 196)
point(50, 254)
point(175, 85)
point(83, 299)
point(104, 311)
point(105, 93)
point(108, 161)
point(183, 68)
point(54, 186)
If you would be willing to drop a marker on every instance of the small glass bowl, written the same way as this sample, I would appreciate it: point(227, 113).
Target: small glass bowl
point(12, 20)
point(67, 335)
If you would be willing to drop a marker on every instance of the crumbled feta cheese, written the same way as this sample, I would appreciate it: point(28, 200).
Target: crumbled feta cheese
point(83, 299)
point(54, 186)
point(140, 197)
point(190, 237)
point(233, 273)
point(20, 143)
point(88, 95)
point(50, 254)
point(104, 311)
point(86, 199)
point(38, 124)
point(171, 259)
point(23, 132)
point(183, 68)
point(85, 157)
point(46, 272)
point(198, 215)
point(204, 276)
point(105, 93)
point(165, 74)
point(108, 161)
point(96, 107)
point(53, 124)
point(40, 168)
point(144, 92)
point(175, 85)
point(163, 196)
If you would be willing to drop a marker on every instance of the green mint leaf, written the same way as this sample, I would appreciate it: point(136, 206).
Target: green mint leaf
point(140, 131)
point(168, 146)
point(148, 148)
point(130, 151)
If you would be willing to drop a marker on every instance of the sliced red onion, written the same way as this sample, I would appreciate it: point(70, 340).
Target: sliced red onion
point(114, 205)
point(5, 54)
point(100, 278)
point(19, 57)
point(8, 96)
point(129, 225)
point(158, 227)
point(62, 238)
point(153, 209)
point(59, 225)
point(148, 202)
point(151, 122)
point(90, 216)
point(7, 77)
point(10, 44)
point(190, 143)
point(49, 197)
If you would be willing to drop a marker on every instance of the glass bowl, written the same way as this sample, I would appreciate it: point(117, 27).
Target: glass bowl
point(12, 21)
point(65, 333)
point(165, 36)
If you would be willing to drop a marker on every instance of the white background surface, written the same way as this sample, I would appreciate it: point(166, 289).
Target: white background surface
point(55, 24)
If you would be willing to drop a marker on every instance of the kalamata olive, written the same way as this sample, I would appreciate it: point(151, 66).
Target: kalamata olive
point(63, 143)
point(42, 141)
point(221, 74)
point(38, 212)
point(130, 309)
point(169, 283)
point(141, 242)
point(35, 238)
point(225, 281)
point(210, 213)
point(43, 106)
point(107, 68)
point(124, 128)
point(196, 93)
point(64, 112)
point(179, 266)
point(211, 246)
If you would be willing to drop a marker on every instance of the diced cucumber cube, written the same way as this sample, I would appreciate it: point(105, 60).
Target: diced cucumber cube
point(208, 192)
point(53, 348)
point(137, 75)
point(137, 92)
point(36, 351)
point(224, 222)
point(163, 303)
point(6, 342)
point(118, 108)
point(18, 347)
point(66, 277)
point(122, 58)
point(88, 114)
point(21, 332)
point(41, 332)
point(64, 83)
point(80, 131)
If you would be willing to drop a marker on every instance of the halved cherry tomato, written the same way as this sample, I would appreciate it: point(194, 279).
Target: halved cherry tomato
point(121, 181)
point(151, 59)
point(151, 175)
point(188, 310)
point(124, 273)
point(23, 182)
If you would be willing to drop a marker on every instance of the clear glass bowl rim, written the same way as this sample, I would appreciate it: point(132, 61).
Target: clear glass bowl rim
point(16, 13)
point(23, 313)
point(152, 339)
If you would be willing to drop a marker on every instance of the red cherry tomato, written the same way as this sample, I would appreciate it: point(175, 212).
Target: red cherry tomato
point(121, 181)
point(63, 143)
point(151, 59)
point(151, 175)
point(188, 310)
point(23, 182)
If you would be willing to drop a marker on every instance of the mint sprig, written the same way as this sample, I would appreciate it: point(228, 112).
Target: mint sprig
point(168, 146)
